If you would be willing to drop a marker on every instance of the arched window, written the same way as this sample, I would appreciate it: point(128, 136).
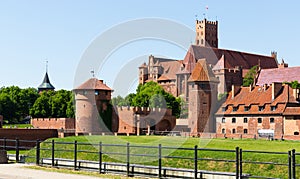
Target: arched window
point(223, 131)
point(259, 120)
point(233, 131)
point(245, 131)
point(223, 120)
point(233, 120)
point(296, 133)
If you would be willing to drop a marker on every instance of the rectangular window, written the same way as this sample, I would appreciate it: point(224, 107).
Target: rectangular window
point(246, 108)
point(233, 120)
point(235, 109)
point(224, 109)
point(273, 108)
point(259, 120)
point(245, 120)
point(223, 120)
point(261, 108)
point(245, 131)
point(272, 120)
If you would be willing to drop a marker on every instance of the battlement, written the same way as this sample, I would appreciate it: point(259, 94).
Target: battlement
point(205, 21)
point(143, 109)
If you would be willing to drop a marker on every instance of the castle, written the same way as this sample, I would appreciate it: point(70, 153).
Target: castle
point(267, 107)
point(205, 72)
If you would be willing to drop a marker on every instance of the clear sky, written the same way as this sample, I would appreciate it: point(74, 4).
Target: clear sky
point(59, 31)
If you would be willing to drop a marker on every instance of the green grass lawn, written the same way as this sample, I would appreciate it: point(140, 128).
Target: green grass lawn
point(19, 126)
point(268, 170)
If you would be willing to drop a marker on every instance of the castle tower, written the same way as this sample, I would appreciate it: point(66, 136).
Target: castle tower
point(46, 85)
point(227, 75)
point(143, 73)
point(92, 99)
point(203, 87)
point(207, 33)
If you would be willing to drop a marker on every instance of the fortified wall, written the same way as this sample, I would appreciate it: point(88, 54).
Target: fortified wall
point(143, 120)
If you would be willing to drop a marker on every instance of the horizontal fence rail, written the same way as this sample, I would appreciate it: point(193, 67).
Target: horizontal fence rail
point(151, 161)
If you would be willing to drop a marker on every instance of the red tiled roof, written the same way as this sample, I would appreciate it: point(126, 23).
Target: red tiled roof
point(233, 58)
point(259, 97)
point(268, 76)
point(163, 78)
point(171, 68)
point(93, 84)
point(202, 72)
point(292, 111)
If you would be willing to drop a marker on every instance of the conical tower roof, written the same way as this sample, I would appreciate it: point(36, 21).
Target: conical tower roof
point(46, 85)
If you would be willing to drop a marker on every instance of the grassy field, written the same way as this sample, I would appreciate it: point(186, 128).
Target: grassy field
point(268, 170)
point(19, 126)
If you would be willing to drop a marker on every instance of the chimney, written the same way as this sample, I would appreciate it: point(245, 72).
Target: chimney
point(234, 90)
point(274, 55)
point(296, 93)
point(276, 87)
point(265, 86)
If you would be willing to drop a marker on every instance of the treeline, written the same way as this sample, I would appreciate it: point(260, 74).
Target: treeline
point(18, 105)
point(151, 95)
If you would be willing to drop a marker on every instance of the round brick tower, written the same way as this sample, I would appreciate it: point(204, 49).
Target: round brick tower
point(92, 99)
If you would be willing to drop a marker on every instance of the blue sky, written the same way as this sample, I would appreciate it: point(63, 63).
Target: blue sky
point(34, 31)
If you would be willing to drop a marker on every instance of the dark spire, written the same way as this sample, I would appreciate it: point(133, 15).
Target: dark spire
point(46, 85)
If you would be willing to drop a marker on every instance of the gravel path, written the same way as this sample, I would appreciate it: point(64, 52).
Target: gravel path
point(18, 171)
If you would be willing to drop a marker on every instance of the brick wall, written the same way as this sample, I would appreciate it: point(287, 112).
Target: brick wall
point(130, 119)
point(53, 123)
point(27, 134)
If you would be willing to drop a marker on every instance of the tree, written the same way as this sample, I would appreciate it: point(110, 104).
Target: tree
point(250, 76)
point(7, 108)
point(56, 104)
point(42, 106)
point(117, 101)
point(294, 84)
point(21, 99)
point(153, 95)
point(71, 107)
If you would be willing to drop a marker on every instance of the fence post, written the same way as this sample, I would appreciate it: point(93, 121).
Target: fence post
point(241, 163)
point(100, 157)
point(196, 161)
point(293, 164)
point(127, 158)
point(4, 143)
point(52, 152)
point(75, 155)
point(37, 159)
point(290, 164)
point(237, 165)
point(17, 150)
point(159, 160)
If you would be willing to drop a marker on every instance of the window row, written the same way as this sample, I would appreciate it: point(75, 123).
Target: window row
point(247, 108)
point(259, 120)
point(245, 131)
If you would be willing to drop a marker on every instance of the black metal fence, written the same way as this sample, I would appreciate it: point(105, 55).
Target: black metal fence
point(155, 161)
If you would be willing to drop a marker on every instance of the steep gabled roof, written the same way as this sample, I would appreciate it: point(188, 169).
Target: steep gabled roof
point(202, 72)
point(261, 97)
point(93, 84)
point(268, 76)
point(233, 58)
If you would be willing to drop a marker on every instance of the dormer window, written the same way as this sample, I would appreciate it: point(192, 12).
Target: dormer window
point(261, 108)
point(273, 108)
point(224, 109)
point(246, 108)
point(235, 109)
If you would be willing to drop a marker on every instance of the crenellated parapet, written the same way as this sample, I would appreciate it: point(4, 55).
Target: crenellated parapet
point(143, 110)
